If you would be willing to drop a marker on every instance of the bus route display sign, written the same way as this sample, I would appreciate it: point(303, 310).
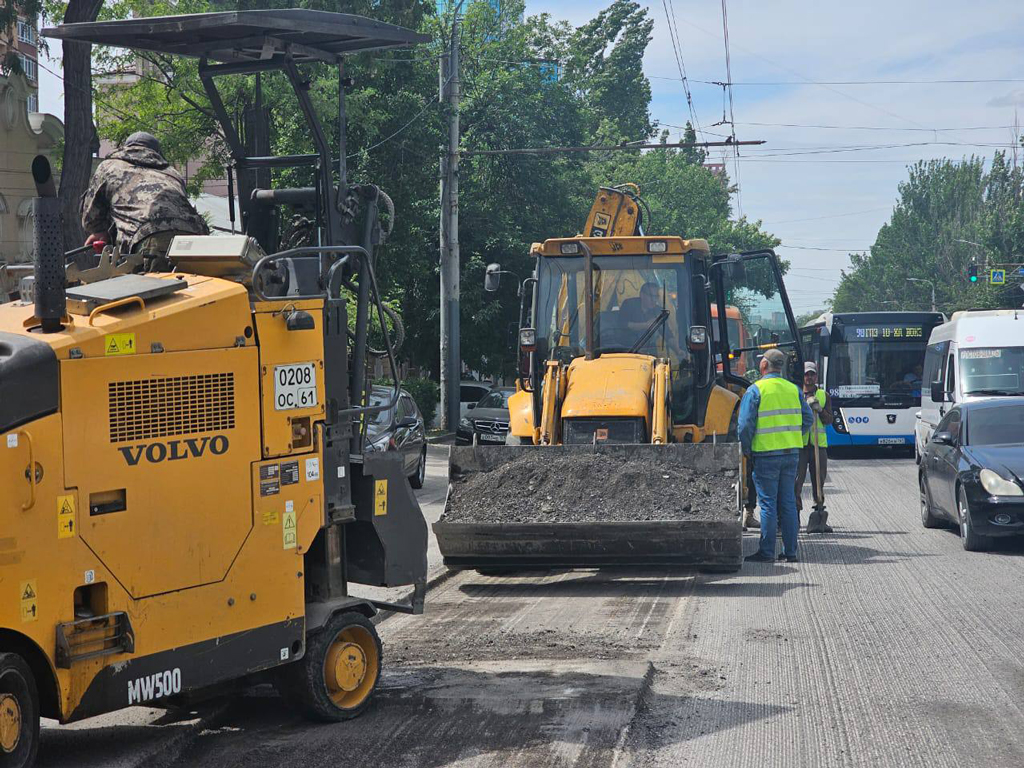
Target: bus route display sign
point(884, 333)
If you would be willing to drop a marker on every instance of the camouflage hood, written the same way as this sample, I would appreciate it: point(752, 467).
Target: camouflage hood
point(136, 154)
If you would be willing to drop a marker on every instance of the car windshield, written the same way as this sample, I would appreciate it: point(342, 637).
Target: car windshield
point(494, 400)
point(382, 418)
point(996, 425)
point(992, 370)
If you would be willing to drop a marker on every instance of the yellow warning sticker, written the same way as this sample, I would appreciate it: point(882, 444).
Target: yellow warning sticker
point(66, 517)
point(119, 344)
point(29, 607)
point(380, 497)
point(271, 517)
point(288, 529)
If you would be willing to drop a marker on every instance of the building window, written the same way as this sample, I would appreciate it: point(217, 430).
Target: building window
point(26, 32)
point(33, 102)
point(29, 67)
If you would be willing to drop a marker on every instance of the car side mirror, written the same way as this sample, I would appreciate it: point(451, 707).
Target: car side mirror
point(471, 406)
point(938, 395)
point(943, 438)
point(492, 277)
point(406, 422)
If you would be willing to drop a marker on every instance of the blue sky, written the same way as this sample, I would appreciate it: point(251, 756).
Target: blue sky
point(824, 204)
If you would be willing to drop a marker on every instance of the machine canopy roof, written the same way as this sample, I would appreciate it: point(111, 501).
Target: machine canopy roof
point(236, 36)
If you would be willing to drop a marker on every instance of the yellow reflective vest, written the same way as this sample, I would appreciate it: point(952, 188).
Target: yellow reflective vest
point(819, 395)
point(779, 419)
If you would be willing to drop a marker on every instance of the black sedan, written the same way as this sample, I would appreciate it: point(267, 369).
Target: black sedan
point(971, 472)
point(487, 421)
point(401, 429)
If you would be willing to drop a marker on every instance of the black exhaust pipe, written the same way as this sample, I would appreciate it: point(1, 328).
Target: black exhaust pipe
point(48, 249)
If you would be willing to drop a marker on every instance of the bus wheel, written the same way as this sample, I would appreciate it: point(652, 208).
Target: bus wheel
point(19, 713)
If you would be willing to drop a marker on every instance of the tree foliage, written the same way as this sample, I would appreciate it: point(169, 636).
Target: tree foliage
point(949, 214)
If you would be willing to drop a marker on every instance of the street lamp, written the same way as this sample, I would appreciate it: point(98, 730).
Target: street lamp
point(922, 280)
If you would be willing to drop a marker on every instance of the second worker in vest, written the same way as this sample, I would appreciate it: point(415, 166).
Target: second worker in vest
point(821, 404)
point(773, 426)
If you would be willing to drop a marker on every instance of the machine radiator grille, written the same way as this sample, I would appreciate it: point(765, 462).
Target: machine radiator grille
point(176, 405)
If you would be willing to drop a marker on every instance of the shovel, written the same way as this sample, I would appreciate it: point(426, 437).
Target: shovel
point(817, 522)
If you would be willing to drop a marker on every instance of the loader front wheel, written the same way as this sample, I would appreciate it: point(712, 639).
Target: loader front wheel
point(19, 713)
point(336, 678)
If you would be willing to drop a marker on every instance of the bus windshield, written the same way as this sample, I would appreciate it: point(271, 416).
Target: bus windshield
point(877, 363)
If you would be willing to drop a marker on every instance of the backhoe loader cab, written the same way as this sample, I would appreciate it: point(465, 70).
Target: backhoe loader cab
point(184, 497)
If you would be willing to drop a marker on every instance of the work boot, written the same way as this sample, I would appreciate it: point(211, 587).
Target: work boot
point(749, 521)
point(814, 524)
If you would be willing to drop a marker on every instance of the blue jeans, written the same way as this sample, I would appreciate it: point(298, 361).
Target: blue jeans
point(774, 479)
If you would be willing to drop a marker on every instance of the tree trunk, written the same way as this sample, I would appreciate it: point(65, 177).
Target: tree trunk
point(77, 166)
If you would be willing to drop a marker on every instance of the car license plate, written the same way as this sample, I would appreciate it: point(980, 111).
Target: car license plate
point(492, 438)
point(294, 386)
point(892, 441)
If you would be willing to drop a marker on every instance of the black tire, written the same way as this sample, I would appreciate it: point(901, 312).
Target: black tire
point(928, 519)
point(971, 541)
point(318, 684)
point(417, 477)
point(19, 713)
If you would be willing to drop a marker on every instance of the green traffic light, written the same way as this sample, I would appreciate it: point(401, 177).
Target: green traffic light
point(974, 278)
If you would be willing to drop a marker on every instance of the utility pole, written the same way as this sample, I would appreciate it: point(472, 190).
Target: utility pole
point(451, 357)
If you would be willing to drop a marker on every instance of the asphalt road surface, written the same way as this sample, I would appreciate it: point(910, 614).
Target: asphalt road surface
point(886, 645)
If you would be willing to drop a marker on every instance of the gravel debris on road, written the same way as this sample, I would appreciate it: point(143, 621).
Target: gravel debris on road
point(542, 486)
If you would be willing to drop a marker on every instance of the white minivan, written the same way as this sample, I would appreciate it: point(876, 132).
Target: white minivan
point(974, 355)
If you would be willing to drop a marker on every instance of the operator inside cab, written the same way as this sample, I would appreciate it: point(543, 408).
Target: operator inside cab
point(639, 313)
point(138, 200)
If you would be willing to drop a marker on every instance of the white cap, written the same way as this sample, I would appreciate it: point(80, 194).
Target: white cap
point(810, 367)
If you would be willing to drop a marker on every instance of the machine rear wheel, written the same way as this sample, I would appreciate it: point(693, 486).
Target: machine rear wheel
point(19, 713)
point(336, 678)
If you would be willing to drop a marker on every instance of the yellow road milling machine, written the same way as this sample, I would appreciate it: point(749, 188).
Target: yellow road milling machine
point(183, 490)
point(622, 445)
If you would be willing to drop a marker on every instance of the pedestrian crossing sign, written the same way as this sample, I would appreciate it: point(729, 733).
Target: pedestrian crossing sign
point(997, 276)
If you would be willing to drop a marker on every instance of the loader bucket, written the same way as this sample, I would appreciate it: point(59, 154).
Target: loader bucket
point(613, 511)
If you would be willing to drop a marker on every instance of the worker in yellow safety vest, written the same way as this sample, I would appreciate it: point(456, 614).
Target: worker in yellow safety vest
point(815, 452)
point(773, 425)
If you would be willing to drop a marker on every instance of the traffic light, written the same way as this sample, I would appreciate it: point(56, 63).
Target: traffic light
point(972, 273)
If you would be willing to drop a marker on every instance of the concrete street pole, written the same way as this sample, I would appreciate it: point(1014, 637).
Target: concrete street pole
point(451, 357)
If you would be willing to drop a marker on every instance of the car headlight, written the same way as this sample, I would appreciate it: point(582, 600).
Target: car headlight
point(998, 485)
point(466, 424)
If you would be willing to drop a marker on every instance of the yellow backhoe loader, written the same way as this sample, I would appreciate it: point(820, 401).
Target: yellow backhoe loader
point(184, 496)
point(617, 360)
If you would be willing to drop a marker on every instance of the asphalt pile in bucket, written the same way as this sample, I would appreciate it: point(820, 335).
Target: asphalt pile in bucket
point(553, 487)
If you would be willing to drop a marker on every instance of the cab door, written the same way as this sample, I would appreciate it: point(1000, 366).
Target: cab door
point(750, 285)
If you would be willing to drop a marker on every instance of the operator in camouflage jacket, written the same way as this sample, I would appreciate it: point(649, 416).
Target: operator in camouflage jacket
point(136, 192)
